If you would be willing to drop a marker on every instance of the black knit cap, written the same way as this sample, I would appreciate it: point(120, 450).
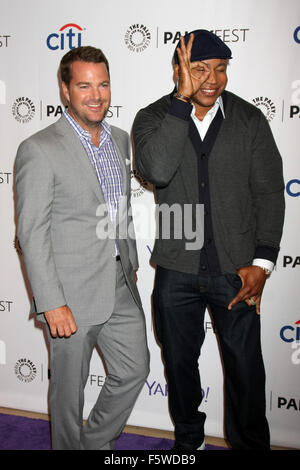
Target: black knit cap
point(206, 45)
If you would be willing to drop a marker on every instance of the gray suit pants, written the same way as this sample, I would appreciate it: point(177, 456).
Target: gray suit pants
point(123, 344)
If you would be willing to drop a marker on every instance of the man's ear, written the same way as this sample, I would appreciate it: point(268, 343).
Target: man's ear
point(65, 91)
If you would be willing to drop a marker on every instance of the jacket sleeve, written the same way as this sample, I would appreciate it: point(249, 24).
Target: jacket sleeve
point(159, 137)
point(267, 189)
point(35, 193)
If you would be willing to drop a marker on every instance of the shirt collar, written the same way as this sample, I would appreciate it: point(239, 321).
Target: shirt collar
point(105, 127)
point(214, 109)
point(220, 99)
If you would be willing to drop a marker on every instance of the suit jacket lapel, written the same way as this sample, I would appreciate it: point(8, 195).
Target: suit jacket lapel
point(74, 146)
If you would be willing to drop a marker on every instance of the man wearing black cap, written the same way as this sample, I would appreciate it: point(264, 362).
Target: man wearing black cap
point(202, 146)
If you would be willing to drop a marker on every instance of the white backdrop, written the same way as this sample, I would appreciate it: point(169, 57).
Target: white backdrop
point(138, 38)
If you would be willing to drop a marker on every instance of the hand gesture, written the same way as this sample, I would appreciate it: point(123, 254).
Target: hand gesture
point(191, 74)
point(253, 281)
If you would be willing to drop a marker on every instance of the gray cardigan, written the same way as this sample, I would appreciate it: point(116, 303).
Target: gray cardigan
point(245, 179)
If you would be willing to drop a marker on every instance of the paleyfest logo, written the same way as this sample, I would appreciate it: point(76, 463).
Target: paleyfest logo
point(138, 184)
point(137, 37)
point(23, 110)
point(295, 99)
point(266, 106)
point(25, 370)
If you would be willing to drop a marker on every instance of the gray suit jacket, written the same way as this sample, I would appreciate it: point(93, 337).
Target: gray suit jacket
point(245, 181)
point(60, 214)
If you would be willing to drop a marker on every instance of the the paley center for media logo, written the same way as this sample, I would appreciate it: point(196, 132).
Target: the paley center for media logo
point(25, 370)
point(137, 37)
point(23, 109)
point(266, 105)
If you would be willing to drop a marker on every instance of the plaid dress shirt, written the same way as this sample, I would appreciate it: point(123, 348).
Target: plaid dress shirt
point(105, 161)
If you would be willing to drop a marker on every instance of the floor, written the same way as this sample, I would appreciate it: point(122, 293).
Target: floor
point(129, 429)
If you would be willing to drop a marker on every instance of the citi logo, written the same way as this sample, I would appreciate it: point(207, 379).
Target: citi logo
point(297, 35)
point(293, 187)
point(68, 37)
point(290, 333)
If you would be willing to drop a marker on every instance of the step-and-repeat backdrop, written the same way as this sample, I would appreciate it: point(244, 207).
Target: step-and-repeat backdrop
point(138, 38)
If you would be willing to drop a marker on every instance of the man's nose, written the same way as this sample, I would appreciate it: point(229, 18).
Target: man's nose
point(96, 93)
point(212, 78)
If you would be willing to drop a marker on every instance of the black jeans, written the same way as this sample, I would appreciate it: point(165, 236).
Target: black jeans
point(180, 301)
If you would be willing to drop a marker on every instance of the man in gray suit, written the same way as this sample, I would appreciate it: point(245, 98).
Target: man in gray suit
point(76, 235)
point(204, 146)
